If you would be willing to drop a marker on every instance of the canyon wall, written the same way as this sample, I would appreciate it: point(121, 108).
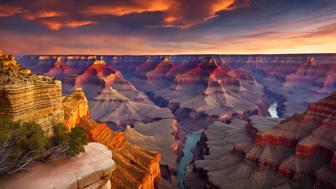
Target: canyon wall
point(299, 79)
point(295, 153)
point(38, 98)
point(184, 93)
point(31, 97)
point(115, 101)
point(292, 80)
point(136, 166)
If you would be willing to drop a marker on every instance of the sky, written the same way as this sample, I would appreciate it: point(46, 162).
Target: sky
point(151, 27)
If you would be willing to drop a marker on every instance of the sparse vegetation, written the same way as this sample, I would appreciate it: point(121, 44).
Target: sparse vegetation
point(24, 143)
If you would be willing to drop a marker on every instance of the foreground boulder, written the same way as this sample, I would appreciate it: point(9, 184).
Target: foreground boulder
point(91, 169)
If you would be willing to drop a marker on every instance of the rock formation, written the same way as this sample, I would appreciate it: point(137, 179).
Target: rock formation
point(265, 153)
point(201, 91)
point(100, 76)
point(136, 166)
point(112, 107)
point(29, 97)
point(286, 78)
point(65, 73)
point(75, 107)
point(299, 79)
point(92, 169)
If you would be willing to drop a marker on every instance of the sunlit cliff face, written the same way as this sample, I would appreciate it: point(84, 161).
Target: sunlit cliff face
point(168, 27)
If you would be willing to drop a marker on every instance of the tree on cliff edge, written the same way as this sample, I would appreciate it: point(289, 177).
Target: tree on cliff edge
point(24, 143)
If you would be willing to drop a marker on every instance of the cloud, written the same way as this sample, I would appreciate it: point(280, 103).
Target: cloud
point(8, 10)
point(124, 9)
point(176, 13)
point(187, 13)
point(42, 14)
point(162, 26)
point(56, 25)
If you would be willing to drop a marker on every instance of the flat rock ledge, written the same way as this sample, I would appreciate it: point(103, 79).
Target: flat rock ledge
point(91, 169)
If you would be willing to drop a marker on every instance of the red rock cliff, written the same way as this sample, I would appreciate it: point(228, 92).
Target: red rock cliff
point(136, 166)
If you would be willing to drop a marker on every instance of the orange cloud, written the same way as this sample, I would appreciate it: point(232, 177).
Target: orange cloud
point(178, 13)
point(7, 10)
point(186, 13)
point(57, 25)
point(220, 5)
point(317, 41)
point(75, 24)
point(53, 25)
point(120, 10)
point(42, 14)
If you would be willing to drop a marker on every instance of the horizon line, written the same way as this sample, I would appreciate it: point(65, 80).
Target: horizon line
point(184, 54)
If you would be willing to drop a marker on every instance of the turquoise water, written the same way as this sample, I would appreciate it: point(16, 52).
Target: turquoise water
point(190, 143)
point(273, 110)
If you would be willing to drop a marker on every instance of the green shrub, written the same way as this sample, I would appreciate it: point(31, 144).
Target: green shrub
point(73, 142)
point(20, 145)
point(23, 143)
point(78, 139)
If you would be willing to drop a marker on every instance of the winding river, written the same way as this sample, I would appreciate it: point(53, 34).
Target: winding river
point(190, 143)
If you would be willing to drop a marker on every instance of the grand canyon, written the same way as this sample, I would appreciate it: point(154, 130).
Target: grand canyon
point(135, 94)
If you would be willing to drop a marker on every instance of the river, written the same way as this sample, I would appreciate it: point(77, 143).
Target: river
point(273, 110)
point(190, 143)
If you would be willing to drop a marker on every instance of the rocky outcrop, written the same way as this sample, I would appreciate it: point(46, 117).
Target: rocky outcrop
point(100, 76)
point(65, 73)
point(136, 166)
point(295, 153)
point(75, 108)
point(160, 136)
point(29, 97)
point(112, 107)
point(91, 169)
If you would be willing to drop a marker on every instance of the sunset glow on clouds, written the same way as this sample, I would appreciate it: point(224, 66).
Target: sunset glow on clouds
point(168, 27)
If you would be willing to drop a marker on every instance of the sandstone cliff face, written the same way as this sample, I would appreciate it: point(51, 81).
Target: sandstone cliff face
point(90, 170)
point(295, 153)
point(115, 101)
point(39, 102)
point(30, 97)
point(136, 166)
point(75, 107)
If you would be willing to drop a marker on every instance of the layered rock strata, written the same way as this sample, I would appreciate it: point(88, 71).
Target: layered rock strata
point(29, 97)
point(136, 166)
point(264, 153)
point(76, 107)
